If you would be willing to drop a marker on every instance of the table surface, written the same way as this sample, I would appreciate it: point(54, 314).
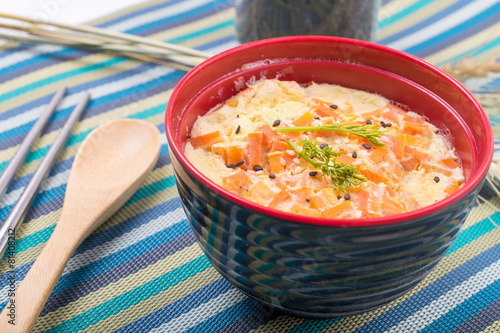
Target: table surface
point(142, 270)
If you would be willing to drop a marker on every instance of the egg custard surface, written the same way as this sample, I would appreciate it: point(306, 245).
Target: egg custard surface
point(249, 146)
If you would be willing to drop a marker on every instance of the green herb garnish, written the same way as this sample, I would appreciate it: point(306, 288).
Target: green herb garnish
point(342, 175)
point(368, 132)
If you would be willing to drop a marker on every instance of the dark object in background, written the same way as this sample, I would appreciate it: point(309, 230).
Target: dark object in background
point(261, 19)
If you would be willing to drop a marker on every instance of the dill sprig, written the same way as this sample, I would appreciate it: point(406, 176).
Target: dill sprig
point(368, 132)
point(342, 175)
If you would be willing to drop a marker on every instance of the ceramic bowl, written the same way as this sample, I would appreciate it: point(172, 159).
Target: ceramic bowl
point(319, 267)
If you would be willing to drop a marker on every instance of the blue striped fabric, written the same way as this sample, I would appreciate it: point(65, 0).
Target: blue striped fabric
point(142, 271)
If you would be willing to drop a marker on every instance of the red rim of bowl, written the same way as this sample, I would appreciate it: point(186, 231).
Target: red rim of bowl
point(475, 178)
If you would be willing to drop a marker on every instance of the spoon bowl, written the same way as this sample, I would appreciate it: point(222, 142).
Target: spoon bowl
point(111, 164)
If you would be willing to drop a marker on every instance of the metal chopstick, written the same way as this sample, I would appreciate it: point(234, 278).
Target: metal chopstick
point(16, 215)
point(10, 170)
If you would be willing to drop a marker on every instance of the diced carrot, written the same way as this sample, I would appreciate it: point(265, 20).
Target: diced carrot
point(278, 145)
point(301, 194)
point(397, 145)
point(322, 108)
point(254, 148)
point(390, 206)
point(414, 120)
point(345, 158)
point(336, 211)
point(450, 163)
point(275, 162)
point(417, 141)
point(379, 153)
point(393, 113)
point(410, 163)
point(330, 194)
point(370, 115)
point(373, 176)
point(432, 168)
point(390, 191)
point(206, 140)
point(324, 198)
point(220, 151)
point(289, 157)
point(452, 188)
point(416, 129)
point(234, 154)
point(362, 200)
point(318, 201)
point(262, 190)
point(304, 120)
point(279, 198)
point(268, 135)
point(303, 210)
point(394, 170)
point(420, 155)
point(237, 181)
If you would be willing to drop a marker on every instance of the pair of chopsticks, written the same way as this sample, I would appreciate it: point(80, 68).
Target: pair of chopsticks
point(18, 212)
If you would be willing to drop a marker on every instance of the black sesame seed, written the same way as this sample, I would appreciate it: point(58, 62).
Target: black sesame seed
point(339, 197)
point(277, 122)
point(313, 173)
point(240, 163)
point(237, 116)
point(323, 145)
point(382, 123)
point(347, 196)
point(231, 166)
point(257, 168)
point(272, 175)
point(307, 200)
point(237, 129)
point(334, 106)
point(388, 124)
point(317, 118)
point(436, 179)
point(367, 145)
point(369, 122)
point(354, 154)
point(312, 157)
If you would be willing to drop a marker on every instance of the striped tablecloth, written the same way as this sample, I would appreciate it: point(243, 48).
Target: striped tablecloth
point(142, 271)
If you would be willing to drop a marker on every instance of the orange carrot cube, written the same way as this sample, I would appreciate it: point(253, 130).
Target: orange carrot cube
point(206, 140)
point(221, 152)
point(254, 148)
point(304, 120)
point(275, 164)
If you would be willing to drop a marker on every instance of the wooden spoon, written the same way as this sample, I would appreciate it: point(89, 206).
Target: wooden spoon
point(110, 165)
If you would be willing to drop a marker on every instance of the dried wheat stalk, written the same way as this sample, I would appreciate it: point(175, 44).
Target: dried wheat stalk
point(468, 68)
point(26, 30)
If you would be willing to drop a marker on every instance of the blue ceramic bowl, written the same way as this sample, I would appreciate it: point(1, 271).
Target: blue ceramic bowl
point(320, 267)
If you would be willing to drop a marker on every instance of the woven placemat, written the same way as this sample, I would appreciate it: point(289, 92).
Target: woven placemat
point(141, 270)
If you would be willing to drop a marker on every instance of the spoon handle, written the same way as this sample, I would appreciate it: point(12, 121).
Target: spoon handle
point(23, 309)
